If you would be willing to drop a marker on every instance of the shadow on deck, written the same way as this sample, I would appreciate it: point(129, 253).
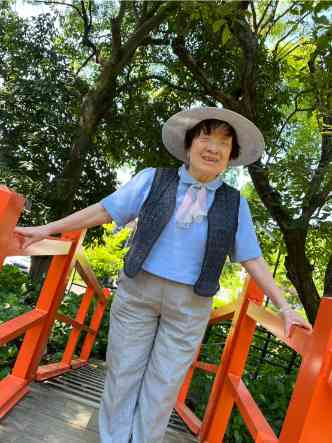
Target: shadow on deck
point(65, 410)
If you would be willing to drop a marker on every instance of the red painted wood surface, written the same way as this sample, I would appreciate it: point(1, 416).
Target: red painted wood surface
point(36, 326)
point(308, 417)
point(309, 414)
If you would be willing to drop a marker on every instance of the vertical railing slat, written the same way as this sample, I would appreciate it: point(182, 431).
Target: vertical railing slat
point(233, 361)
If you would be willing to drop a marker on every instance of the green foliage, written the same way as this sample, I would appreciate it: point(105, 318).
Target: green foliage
point(14, 285)
point(40, 99)
point(60, 331)
point(272, 391)
point(231, 283)
point(292, 64)
point(269, 384)
point(18, 295)
point(14, 289)
point(106, 257)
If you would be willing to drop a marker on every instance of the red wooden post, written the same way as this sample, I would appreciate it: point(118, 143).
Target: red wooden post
point(184, 412)
point(49, 300)
point(233, 360)
point(187, 380)
point(37, 324)
point(94, 325)
point(11, 205)
point(75, 333)
point(309, 415)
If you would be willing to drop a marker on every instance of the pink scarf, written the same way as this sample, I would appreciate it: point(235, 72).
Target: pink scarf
point(193, 207)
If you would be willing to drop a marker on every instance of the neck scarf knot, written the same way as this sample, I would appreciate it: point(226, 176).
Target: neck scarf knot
point(194, 207)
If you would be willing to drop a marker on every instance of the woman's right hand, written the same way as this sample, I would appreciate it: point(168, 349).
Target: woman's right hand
point(30, 235)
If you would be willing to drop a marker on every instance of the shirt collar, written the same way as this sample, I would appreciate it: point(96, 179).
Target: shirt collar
point(186, 178)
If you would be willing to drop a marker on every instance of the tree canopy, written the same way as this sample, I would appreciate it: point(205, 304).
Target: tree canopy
point(104, 76)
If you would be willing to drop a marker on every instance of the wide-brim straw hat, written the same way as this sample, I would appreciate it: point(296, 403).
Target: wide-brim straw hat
point(250, 138)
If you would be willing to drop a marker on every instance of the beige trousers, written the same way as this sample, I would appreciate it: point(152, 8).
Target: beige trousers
point(156, 326)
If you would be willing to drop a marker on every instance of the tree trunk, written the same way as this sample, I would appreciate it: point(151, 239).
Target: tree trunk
point(64, 187)
point(97, 103)
point(299, 271)
point(328, 279)
point(39, 267)
point(94, 106)
point(297, 264)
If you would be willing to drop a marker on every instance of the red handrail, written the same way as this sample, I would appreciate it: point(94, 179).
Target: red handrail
point(308, 417)
point(37, 324)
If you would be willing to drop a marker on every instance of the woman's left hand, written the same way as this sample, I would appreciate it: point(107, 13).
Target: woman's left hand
point(291, 318)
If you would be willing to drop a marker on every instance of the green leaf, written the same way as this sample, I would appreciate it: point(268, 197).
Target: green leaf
point(218, 24)
point(322, 5)
point(226, 35)
point(323, 20)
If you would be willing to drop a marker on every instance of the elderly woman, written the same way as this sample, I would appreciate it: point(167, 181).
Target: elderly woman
point(189, 221)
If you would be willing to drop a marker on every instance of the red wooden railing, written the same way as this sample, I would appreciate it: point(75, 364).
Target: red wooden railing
point(309, 415)
point(37, 324)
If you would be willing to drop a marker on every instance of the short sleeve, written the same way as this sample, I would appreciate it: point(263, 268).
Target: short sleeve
point(125, 204)
point(246, 246)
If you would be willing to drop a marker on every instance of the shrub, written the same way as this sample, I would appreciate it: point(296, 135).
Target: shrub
point(15, 286)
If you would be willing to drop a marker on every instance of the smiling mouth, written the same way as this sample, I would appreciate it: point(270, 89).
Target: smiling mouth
point(209, 160)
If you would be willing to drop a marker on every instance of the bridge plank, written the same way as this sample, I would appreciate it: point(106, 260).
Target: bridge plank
point(48, 415)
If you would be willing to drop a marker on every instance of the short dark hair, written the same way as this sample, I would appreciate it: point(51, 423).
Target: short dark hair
point(209, 125)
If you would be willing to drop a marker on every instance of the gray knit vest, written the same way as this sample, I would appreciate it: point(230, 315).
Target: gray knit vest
point(156, 213)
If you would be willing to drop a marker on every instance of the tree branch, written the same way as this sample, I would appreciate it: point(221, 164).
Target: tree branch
point(285, 12)
point(254, 16)
point(289, 52)
point(289, 32)
point(90, 12)
point(144, 8)
point(97, 37)
point(149, 12)
point(180, 50)
point(290, 117)
point(278, 18)
point(161, 79)
point(328, 279)
point(264, 14)
point(270, 19)
point(291, 41)
point(84, 63)
point(269, 196)
point(157, 41)
point(87, 21)
point(60, 4)
point(143, 30)
point(285, 123)
point(248, 44)
point(116, 33)
point(135, 9)
point(317, 192)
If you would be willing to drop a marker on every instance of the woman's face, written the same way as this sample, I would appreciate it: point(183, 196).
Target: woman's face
point(209, 155)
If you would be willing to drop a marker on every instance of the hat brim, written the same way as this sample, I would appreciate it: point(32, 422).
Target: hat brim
point(250, 138)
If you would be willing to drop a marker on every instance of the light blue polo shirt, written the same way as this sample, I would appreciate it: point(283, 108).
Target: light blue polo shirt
point(178, 253)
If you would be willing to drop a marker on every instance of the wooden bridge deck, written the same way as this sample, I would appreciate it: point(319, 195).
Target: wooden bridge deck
point(56, 412)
